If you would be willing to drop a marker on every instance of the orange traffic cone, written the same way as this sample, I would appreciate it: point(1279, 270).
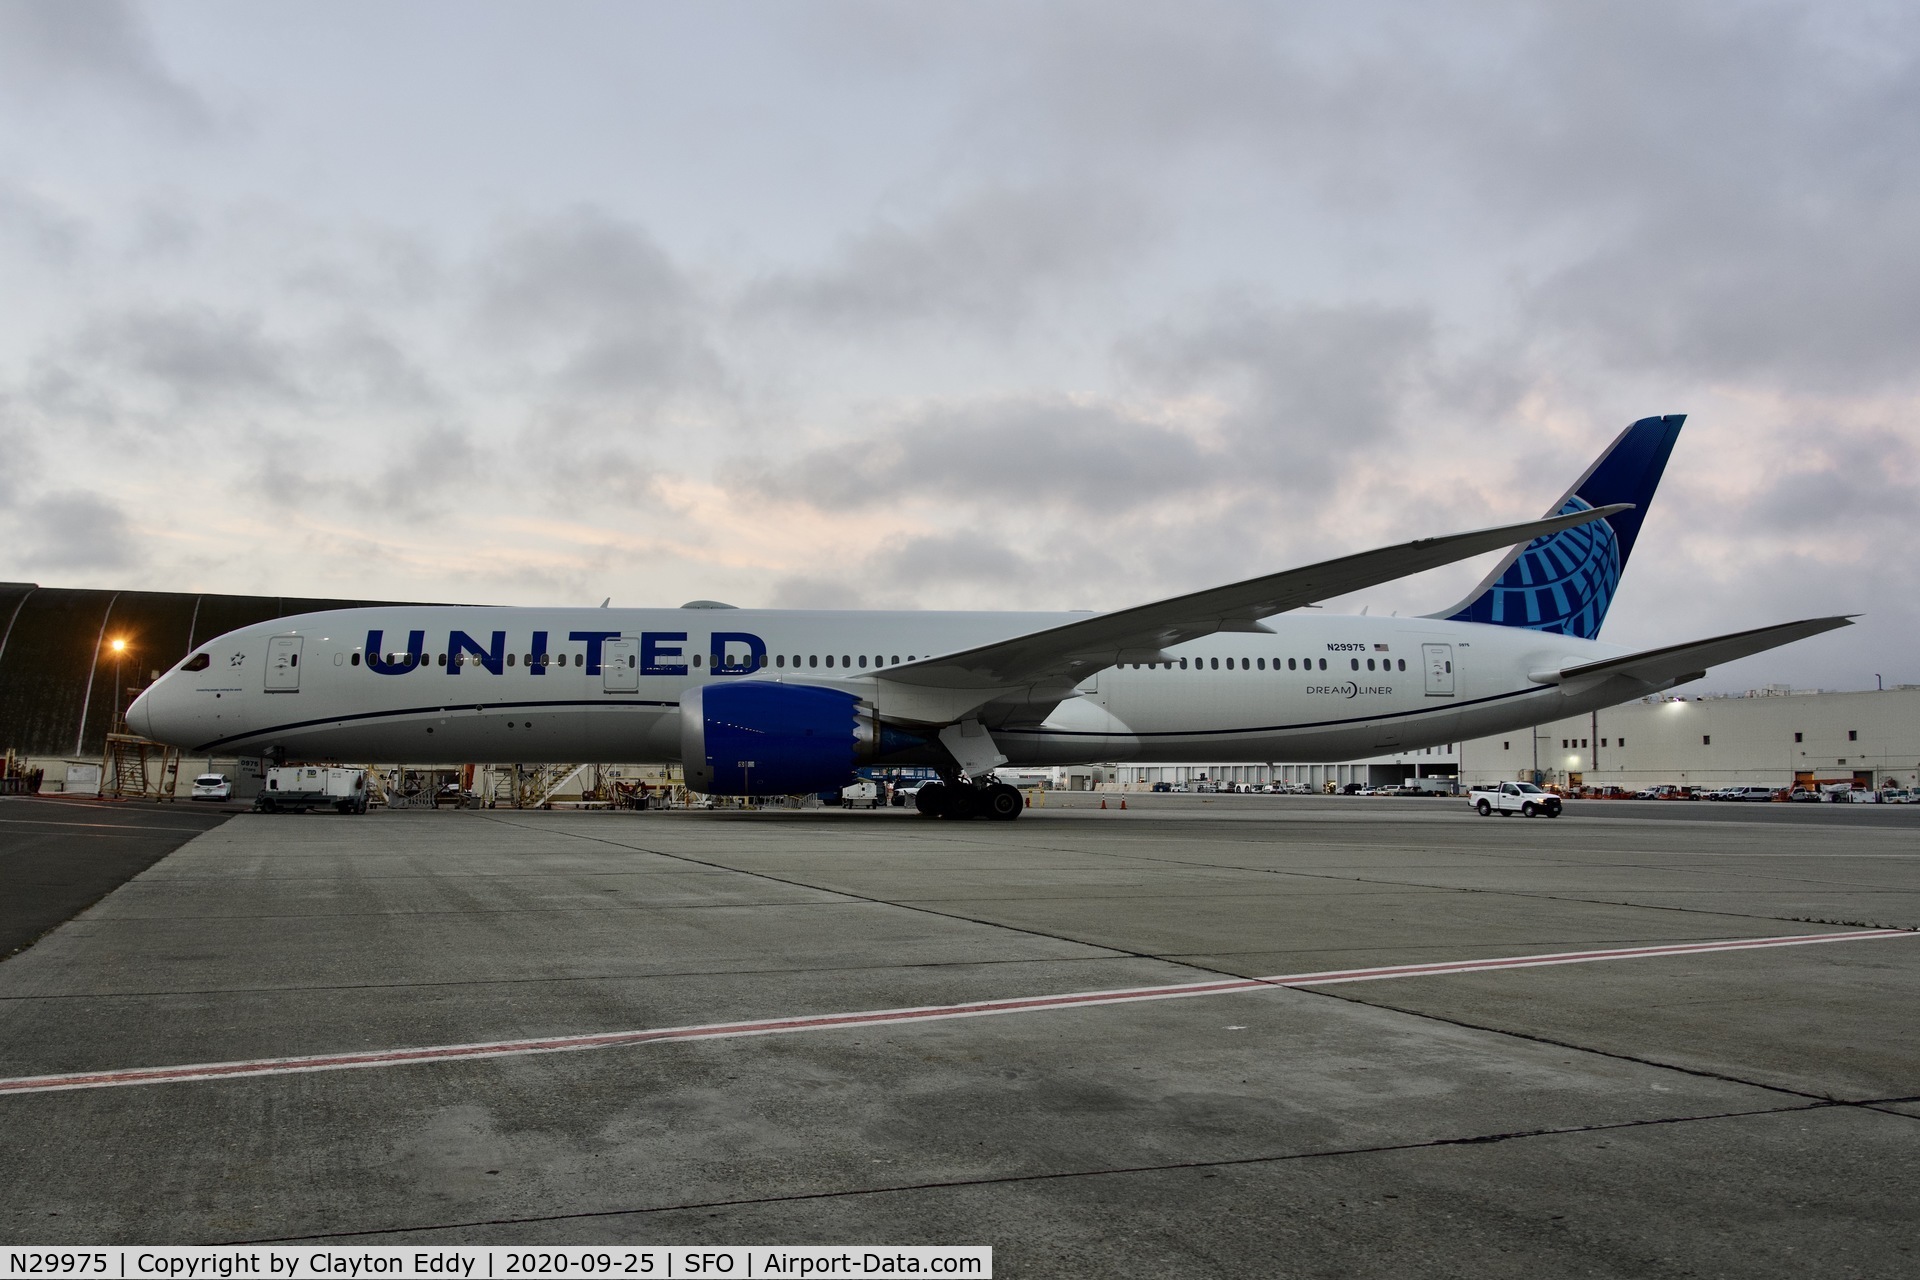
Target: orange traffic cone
point(1123, 804)
point(1103, 804)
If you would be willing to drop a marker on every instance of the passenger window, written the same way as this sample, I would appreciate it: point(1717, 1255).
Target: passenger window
point(511, 657)
point(896, 660)
point(1369, 664)
point(829, 659)
point(813, 660)
point(440, 660)
point(780, 661)
point(1216, 664)
point(631, 659)
point(356, 659)
point(198, 662)
point(1289, 664)
point(1323, 664)
point(1403, 664)
point(863, 659)
point(845, 661)
point(696, 659)
point(1183, 664)
point(1356, 664)
point(1262, 663)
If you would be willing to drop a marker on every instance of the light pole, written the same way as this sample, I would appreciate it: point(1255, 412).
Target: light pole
point(119, 648)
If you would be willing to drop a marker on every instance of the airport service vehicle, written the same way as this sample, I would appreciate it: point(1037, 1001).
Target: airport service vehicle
point(864, 794)
point(772, 702)
point(298, 788)
point(212, 786)
point(1748, 793)
point(1510, 798)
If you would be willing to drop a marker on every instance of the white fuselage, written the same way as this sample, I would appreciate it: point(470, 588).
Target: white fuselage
point(1319, 687)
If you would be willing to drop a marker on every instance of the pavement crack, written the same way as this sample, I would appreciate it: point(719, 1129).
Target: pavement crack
point(1061, 1175)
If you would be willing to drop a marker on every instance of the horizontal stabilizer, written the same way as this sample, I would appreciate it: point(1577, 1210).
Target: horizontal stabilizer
point(1659, 668)
point(1070, 652)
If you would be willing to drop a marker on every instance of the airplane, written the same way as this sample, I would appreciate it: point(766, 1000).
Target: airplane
point(778, 702)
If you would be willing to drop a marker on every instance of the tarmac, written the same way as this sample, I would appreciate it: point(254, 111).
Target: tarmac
point(1670, 1111)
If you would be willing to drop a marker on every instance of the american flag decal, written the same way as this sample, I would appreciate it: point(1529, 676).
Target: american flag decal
point(1379, 648)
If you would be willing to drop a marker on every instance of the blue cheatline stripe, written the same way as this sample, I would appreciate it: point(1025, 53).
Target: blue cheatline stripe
point(360, 717)
point(1038, 733)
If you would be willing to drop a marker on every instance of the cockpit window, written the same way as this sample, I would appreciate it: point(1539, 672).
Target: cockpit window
point(198, 662)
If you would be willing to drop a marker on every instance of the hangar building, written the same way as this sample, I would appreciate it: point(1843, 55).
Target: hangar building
point(63, 682)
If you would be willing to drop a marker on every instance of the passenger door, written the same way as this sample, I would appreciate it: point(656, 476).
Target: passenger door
point(1438, 661)
point(283, 664)
point(620, 665)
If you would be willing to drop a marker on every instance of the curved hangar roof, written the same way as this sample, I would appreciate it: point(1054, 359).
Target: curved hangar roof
point(59, 670)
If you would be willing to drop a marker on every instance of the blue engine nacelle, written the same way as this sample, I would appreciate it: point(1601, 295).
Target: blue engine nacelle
point(756, 737)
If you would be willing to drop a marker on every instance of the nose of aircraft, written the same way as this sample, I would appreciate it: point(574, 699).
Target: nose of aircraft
point(140, 714)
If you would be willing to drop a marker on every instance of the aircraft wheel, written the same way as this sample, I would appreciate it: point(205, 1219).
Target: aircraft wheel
point(1004, 803)
point(1527, 809)
point(963, 803)
point(931, 800)
point(1484, 808)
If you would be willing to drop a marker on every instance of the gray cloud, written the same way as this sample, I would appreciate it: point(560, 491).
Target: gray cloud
point(193, 355)
point(53, 48)
point(72, 531)
point(806, 591)
point(987, 259)
point(47, 232)
point(1033, 451)
point(596, 307)
point(1867, 490)
point(1300, 389)
point(1304, 382)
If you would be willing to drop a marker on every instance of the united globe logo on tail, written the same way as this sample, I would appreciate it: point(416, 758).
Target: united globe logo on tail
point(1564, 582)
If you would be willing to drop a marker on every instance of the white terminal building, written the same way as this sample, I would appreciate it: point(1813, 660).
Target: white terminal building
point(1772, 737)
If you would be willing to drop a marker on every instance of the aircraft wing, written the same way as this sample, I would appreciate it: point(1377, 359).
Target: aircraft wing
point(1678, 663)
point(1066, 654)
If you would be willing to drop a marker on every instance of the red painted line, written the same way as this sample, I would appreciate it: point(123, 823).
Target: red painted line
point(928, 1013)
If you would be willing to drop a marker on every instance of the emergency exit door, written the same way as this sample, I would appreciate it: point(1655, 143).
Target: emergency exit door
point(283, 664)
point(1438, 659)
point(620, 666)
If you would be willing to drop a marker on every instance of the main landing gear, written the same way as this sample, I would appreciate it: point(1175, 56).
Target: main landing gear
point(955, 798)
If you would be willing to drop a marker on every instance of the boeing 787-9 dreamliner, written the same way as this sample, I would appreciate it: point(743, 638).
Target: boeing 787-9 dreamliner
point(778, 701)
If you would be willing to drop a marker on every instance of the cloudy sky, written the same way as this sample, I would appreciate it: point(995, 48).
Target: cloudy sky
point(959, 305)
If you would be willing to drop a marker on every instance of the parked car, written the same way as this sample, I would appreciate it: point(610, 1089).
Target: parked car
point(1803, 795)
point(1749, 793)
point(212, 786)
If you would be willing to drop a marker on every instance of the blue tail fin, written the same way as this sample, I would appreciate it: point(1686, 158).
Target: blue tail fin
point(1564, 583)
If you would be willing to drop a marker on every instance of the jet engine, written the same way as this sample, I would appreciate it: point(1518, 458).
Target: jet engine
point(756, 737)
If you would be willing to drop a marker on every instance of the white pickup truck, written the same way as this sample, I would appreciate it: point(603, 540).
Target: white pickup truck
point(1509, 798)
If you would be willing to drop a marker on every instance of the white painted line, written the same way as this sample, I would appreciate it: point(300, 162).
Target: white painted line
point(833, 1021)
